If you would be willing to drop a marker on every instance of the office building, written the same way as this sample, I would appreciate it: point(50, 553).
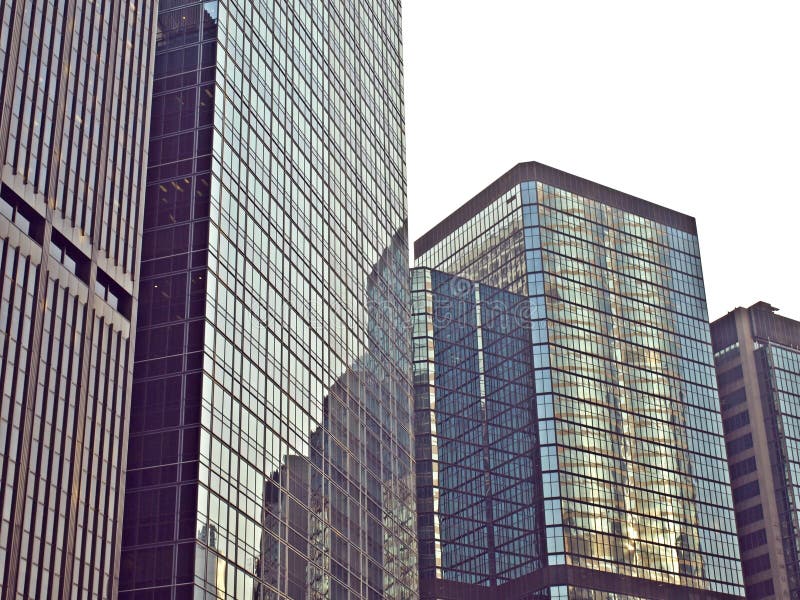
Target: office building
point(757, 356)
point(568, 435)
point(75, 93)
point(271, 446)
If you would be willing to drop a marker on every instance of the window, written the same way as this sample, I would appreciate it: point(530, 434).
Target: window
point(755, 565)
point(739, 445)
point(23, 216)
point(730, 376)
point(68, 255)
point(743, 492)
point(749, 515)
point(753, 540)
point(113, 294)
point(736, 421)
point(759, 590)
point(743, 467)
point(734, 398)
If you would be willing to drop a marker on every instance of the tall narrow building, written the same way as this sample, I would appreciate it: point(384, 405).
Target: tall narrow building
point(757, 355)
point(271, 447)
point(568, 435)
point(75, 94)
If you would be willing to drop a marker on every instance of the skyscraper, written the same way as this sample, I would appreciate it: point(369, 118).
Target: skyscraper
point(75, 93)
point(270, 449)
point(569, 441)
point(757, 355)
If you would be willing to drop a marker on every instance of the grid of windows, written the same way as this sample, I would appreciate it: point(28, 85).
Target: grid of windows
point(17, 309)
point(780, 367)
point(477, 502)
point(75, 92)
point(631, 449)
point(271, 420)
point(628, 341)
point(159, 528)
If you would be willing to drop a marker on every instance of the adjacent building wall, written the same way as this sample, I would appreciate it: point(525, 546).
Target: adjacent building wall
point(757, 356)
point(75, 93)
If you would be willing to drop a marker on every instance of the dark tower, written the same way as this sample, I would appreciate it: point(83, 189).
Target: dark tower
point(270, 405)
point(757, 356)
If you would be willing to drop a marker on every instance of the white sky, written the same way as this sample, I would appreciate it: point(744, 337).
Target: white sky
point(692, 105)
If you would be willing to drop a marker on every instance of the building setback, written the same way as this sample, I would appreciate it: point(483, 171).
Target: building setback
point(271, 446)
point(757, 356)
point(75, 93)
point(568, 435)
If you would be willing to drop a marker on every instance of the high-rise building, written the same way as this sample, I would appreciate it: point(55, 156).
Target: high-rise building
point(757, 355)
point(568, 435)
point(75, 94)
point(271, 446)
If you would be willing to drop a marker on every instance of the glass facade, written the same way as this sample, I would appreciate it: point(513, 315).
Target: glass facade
point(271, 445)
point(623, 403)
point(477, 502)
point(75, 96)
point(780, 367)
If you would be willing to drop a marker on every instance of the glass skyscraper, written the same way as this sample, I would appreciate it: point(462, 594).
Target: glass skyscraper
point(271, 446)
point(757, 355)
point(75, 93)
point(568, 433)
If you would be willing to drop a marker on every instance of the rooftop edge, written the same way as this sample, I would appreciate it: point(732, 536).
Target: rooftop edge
point(766, 325)
point(534, 171)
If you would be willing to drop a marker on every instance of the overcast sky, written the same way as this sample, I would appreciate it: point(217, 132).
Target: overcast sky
point(692, 105)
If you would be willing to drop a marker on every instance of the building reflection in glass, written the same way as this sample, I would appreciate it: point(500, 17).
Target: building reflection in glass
point(350, 493)
point(272, 383)
point(477, 498)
